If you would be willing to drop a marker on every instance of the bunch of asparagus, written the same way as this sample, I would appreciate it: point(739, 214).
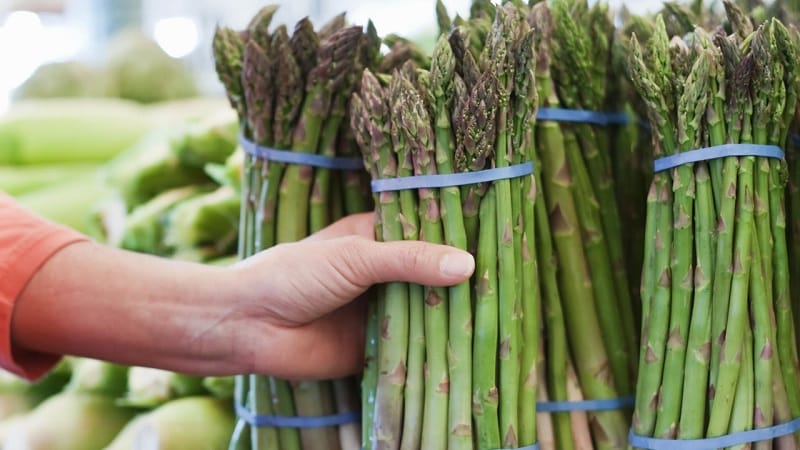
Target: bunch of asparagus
point(431, 382)
point(292, 93)
point(718, 354)
point(589, 326)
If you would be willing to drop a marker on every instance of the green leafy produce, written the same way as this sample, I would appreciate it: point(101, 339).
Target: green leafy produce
point(66, 79)
point(77, 130)
point(142, 72)
point(69, 421)
point(194, 422)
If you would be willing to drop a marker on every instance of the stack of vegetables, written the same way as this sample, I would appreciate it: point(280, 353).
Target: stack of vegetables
point(292, 93)
point(177, 195)
point(180, 191)
point(86, 404)
point(718, 354)
point(476, 110)
point(428, 367)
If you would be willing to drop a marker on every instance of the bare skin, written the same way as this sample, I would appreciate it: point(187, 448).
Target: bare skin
point(288, 311)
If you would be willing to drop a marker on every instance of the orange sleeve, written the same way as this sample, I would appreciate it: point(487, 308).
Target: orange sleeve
point(26, 242)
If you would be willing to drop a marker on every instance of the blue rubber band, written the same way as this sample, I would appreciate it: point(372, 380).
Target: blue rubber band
point(617, 118)
point(718, 151)
point(586, 405)
point(451, 179)
point(729, 440)
point(300, 158)
point(296, 422)
point(572, 115)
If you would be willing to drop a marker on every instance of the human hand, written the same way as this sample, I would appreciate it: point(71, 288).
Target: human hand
point(287, 311)
point(301, 295)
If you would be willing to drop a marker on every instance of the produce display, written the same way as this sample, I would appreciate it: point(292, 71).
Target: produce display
point(291, 93)
point(133, 67)
point(628, 185)
point(88, 404)
point(718, 354)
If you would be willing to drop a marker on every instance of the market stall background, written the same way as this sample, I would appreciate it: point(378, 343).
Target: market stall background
point(36, 32)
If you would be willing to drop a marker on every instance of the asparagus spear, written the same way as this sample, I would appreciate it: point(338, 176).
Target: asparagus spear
point(394, 321)
point(787, 52)
point(335, 58)
point(552, 311)
point(460, 308)
point(655, 87)
point(478, 125)
point(692, 106)
point(497, 54)
point(401, 93)
point(437, 383)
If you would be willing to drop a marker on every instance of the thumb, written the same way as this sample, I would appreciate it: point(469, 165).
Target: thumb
point(367, 262)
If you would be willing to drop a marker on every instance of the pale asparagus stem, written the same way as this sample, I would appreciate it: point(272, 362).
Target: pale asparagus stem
point(581, 433)
point(347, 401)
point(544, 421)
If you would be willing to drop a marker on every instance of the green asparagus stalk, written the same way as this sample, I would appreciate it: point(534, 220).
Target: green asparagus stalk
point(692, 106)
point(574, 282)
point(497, 51)
point(402, 102)
point(393, 340)
point(334, 59)
point(655, 87)
point(477, 151)
point(594, 199)
point(437, 383)
point(787, 52)
point(485, 400)
point(460, 308)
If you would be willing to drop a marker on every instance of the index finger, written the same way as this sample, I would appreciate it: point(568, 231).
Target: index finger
point(362, 224)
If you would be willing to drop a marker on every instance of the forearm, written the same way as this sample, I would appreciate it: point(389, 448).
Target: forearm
point(94, 301)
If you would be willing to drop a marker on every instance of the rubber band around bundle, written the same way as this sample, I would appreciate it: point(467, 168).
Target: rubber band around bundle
point(333, 420)
point(586, 405)
point(718, 151)
point(582, 116)
point(728, 440)
point(451, 179)
point(301, 158)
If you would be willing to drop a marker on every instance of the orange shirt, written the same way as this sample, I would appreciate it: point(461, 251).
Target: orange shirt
point(26, 242)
